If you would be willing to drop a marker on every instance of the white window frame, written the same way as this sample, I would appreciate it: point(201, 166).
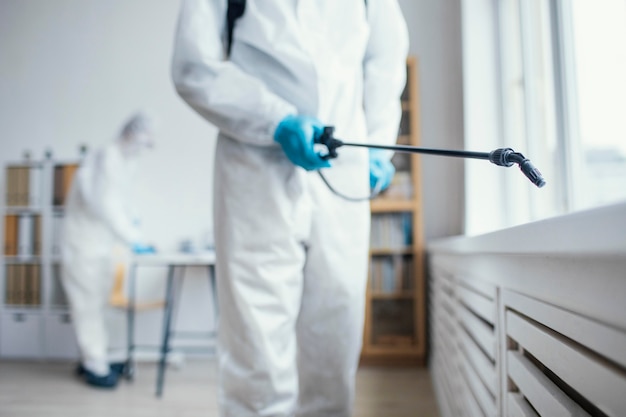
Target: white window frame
point(568, 135)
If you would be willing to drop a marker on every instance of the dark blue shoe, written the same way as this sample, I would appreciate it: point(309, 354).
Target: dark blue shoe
point(80, 370)
point(118, 367)
point(108, 381)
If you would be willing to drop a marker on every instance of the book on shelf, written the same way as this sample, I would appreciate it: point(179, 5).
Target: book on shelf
point(391, 231)
point(391, 274)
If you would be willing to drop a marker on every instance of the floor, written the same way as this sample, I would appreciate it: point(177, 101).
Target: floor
point(50, 390)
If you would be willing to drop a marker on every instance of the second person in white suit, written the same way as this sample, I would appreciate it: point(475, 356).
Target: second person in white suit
point(99, 216)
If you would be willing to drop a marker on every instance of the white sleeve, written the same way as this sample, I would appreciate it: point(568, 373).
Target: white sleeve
point(116, 215)
point(384, 70)
point(100, 180)
point(240, 105)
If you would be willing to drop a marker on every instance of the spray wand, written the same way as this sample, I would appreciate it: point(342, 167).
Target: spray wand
point(504, 157)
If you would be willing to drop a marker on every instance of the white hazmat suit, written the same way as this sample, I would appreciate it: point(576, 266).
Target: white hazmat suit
point(291, 256)
point(98, 216)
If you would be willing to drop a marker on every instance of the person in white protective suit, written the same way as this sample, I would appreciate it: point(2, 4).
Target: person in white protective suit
point(98, 216)
point(291, 256)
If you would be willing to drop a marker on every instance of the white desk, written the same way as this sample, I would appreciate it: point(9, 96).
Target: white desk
point(175, 263)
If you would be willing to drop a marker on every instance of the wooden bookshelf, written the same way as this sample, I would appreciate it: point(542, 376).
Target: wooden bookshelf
point(395, 322)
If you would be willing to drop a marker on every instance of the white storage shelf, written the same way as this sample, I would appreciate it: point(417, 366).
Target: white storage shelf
point(21, 335)
point(522, 329)
point(38, 327)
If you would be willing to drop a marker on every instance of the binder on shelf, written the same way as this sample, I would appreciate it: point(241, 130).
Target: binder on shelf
point(58, 297)
point(20, 277)
point(57, 194)
point(23, 186)
point(34, 186)
point(17, 186)
point(10, 234)
point(34, 284)
point(63, 176)
point(25, 235)
point(17, 183)
point(9, 287)
point(37, 235)
point(68, 177)
point(25, 181)
point(57, 227)
point(11, 179)
point(28, 285)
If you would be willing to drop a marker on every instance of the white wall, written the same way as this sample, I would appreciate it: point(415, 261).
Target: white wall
point(72, 70)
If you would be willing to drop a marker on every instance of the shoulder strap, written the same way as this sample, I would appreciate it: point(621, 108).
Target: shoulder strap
point(234, 12)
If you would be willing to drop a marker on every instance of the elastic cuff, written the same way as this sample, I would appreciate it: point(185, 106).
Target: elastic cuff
point(97, 367)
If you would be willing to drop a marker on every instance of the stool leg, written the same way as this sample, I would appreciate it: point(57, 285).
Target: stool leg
point(167, 318)
point(129, 370)
point(213, 290)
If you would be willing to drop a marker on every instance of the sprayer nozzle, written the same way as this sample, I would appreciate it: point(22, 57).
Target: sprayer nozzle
point(506, 157)
point(532, 173)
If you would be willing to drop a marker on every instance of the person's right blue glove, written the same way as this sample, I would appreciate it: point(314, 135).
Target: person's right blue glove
point(141, 249)
point(296, 135)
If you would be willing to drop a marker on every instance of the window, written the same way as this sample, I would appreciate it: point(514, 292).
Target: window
point(563, 96)
point(599, 38)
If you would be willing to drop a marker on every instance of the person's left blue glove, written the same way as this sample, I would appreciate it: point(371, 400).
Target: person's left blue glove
point(141, 249)
point(381, 169)
point(296, 135)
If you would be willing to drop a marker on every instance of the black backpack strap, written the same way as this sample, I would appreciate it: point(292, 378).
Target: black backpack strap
point(234, 12)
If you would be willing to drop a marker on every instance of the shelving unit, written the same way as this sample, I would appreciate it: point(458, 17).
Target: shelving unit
point(34, 318)
point(395, 325)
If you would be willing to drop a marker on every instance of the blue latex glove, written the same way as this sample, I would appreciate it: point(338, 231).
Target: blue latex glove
point(296, 135)
point(381, 169)
point(141, 249)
